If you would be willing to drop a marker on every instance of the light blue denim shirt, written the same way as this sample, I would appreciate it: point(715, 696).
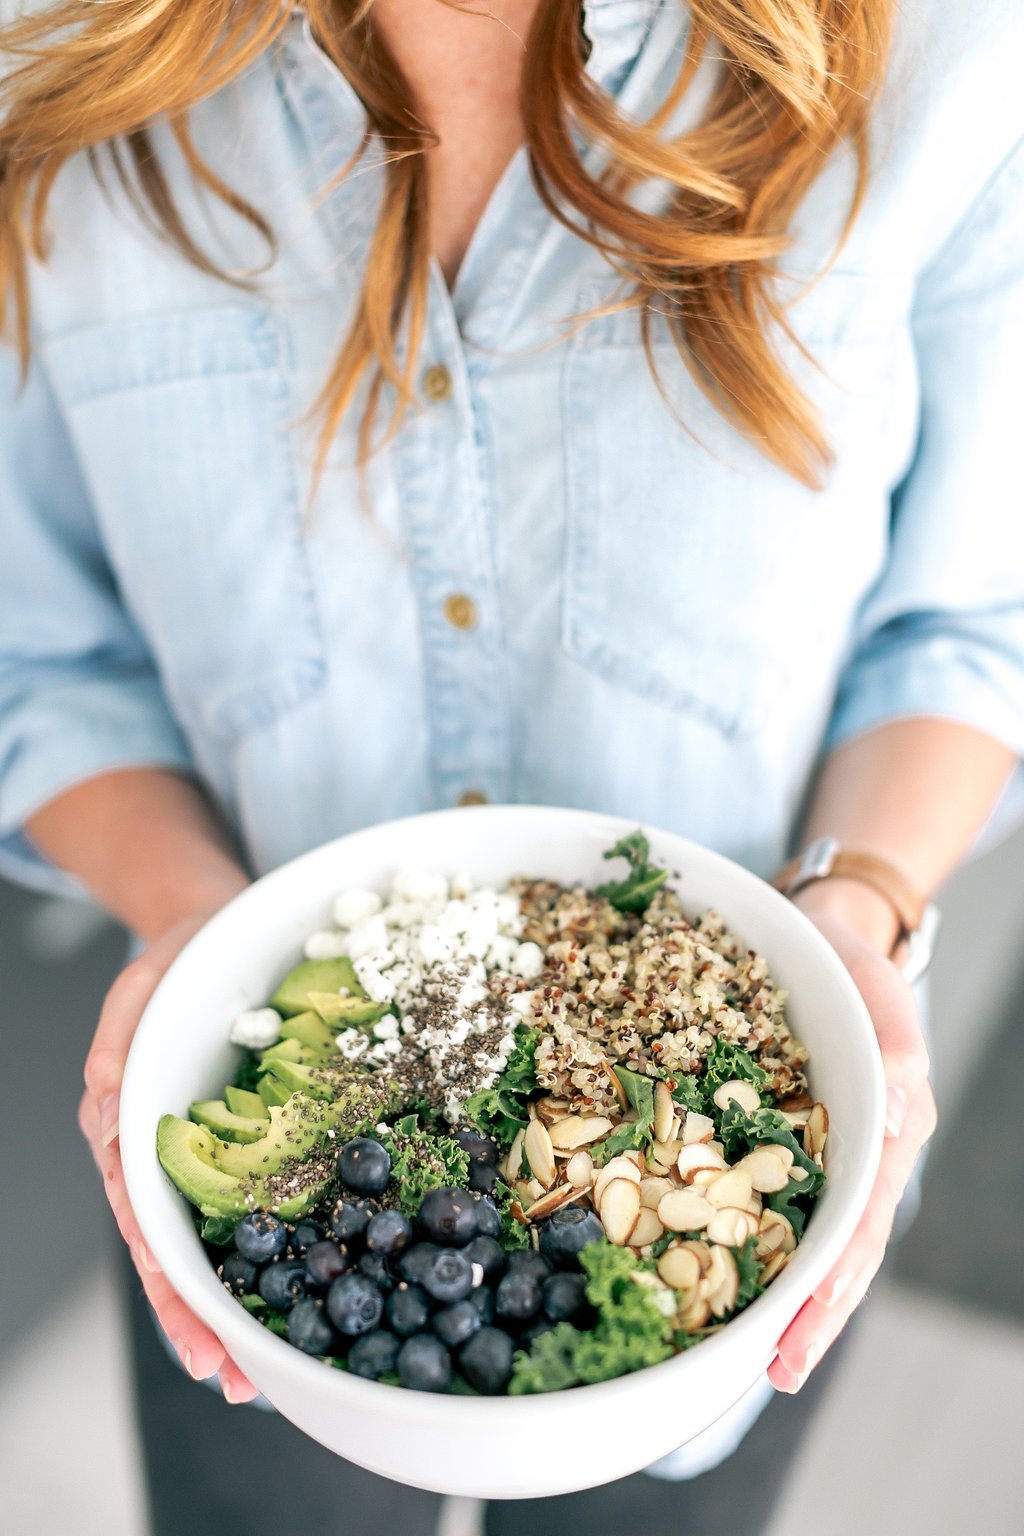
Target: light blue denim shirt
point(667, 626)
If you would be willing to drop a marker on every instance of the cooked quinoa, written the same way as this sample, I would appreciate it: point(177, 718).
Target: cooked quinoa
point(650, 991)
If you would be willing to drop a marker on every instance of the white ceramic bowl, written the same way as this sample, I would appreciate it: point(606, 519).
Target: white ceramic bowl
point(493, 1447)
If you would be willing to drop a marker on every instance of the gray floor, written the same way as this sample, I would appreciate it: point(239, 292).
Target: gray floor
point(918, 1434)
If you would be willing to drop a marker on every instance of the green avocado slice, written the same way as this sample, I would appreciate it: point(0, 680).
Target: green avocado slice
point(296, 1128)
point(271, 1093)
point(310, 1029)
point(289, 1050)
point(334, 1008)
point(241, 1102)
point(215, 1115)
point(185, 1151)
point(292, 996)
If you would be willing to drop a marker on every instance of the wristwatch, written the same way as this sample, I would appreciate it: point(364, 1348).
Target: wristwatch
point(919, 919)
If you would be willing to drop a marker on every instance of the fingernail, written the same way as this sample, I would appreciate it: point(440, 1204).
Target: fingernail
point(895, 1110)
point(228, 1394)
point(830, 1294)
point(186, 1359)
point(108, 1118)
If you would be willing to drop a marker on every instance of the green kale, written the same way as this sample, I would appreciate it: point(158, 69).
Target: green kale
point(549, 1365)
point(500, 1111)
point(635, 892)
point(254, 1304)
point(248, 1074)
point(276, 1322)
point(218, 1230)
point(632, 1133)
point(739, 1133)
point(750, 1273)
point(687, 1092)
point(723, 1064)
point(422, 1160)
point(513, 1233)
point(519, 1074)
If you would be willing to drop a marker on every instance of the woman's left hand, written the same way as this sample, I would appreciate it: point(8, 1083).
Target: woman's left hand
point(854, 923)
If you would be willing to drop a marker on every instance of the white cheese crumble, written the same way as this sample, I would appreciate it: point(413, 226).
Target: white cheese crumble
point(324, 945)
point(355, 906)
point(256, 1029)
point(528, 961)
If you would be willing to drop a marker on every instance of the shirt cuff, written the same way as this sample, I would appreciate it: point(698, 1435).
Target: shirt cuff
point(56, 739)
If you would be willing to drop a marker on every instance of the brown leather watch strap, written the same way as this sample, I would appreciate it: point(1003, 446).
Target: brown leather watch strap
point(848, 864)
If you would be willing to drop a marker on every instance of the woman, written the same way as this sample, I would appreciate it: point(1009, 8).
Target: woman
point(606, 404)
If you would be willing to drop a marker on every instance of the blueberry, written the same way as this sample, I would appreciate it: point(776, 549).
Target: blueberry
point(457, 1323)
point(449, 1276)
point(283, 1284)
point(488, 1253)
point(415, 1262)
point(364, 1166)
point(374, 1355)
point(374, 1267)
point(525, 1261)
point(488, 1219)
point(518, 1296)
point(239, 1275)
point(408, 1309)
point(424, 1364)
point(325, 1262)
point(389, 1233)
point(304, 1235)
point(564, 1297)
point(448, 1216)
point(482, 1178)
point(486, 1361)
point(477, 1147)
point(260, 1236)
point(483, 1300)
point(309, 1328)
point(566, 1233)
point(349, 1219)
point(354, 1304)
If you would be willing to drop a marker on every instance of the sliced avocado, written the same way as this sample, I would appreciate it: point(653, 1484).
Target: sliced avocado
point(272, 1093)
point(241, 1102)
point(310, 1029)
point(289, 1050)
point(334, 1008)
point(323, 1081)
point(186, 1150)
point(296, 1128)
point(292, 996)
point(215, 1114)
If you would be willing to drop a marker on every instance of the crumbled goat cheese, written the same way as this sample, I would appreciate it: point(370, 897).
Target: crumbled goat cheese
point(256, 1029)
point(355, 906)
point(368, 937)
point(528, 961)
point(386, 1028)
point(352, 1043)
point(418, 885)
point(325, 945)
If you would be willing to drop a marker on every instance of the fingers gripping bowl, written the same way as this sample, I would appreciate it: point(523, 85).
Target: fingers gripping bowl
point(474, 1445)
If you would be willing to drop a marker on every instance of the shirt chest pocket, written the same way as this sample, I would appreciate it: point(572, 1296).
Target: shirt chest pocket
point(181, 423)
point(697, 573)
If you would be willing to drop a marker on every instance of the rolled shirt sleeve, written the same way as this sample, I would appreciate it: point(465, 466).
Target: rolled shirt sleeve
point(942, 633)
point(79, 695)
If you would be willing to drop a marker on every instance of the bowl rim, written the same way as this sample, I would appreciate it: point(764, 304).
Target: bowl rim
point(221, 1312)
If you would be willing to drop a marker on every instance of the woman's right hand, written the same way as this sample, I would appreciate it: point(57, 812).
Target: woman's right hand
point(200, 1351)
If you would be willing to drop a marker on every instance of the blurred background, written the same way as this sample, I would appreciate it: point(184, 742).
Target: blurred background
point(919, 1433)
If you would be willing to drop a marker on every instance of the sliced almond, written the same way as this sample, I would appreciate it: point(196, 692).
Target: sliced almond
point(664, 1113)
point(666, 1152)
point(549, 1110)
point(731, 1227)
point(705, 1176)
point(695, 1156)
point(578, 1131)
point(580, 1170)
point(769, 1243)
point(617, 1085)
point(552, 1201)
point(636, 1157)
point(518, 1213)
point(723, 1281)
point(700, 1250)
point(616, 1168)
point(796, 1118)
point(684, 1210)
point(514, 1160)
point(799, 1174)
point(816, 1131)
point(771, 1269)
point(540, 1154)
point(731, 1188)
point(680, 1267)
point(695, 1316)
point(766, 1169)
point(697, 1128)
point(528, 1190)
point(652, 1189)
point(772, 1220)
point(648, 1228)
point(620, 1209)
point(735, 1091)
point(796, 1101)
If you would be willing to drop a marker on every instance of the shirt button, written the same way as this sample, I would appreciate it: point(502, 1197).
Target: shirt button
point(460, 610)
point(472, 797)
point(437, 383)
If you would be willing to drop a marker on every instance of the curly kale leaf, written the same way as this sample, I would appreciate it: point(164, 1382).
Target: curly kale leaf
point(500, 1111)
point(422, 1160)
point(513, 1232)
point(687, 1092)
point(248, 1074)
point(635, 892)
point(723, 1064)
point(632, 1133)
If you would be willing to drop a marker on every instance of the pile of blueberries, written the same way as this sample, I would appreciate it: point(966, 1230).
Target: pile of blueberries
point(432, 1302)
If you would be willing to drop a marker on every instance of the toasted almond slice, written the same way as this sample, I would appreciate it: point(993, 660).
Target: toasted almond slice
point(579, 1131)
point(529, 1191)
point(552, 1201)
point(580, 1170)
point(666, 1151)
point(697, 1128)
point(648, 1228)
point(771, 1269)
point(766, 1170)
point(796, 1101)
point(772, 1219)
point(519, 1214)
point(695, 1315)
point(723, 1282)
point(664, 1113)
point(617, 1085)
point(731, 1227)
point(705, 1176)
point(680, 1267)
point(514, 1160)
point(799, 1174)
point(755, 1206)
point(700, 1250)
point(816, 1130)
point(797, 1118)
point(730, 1188)
point(549, 1109)
point(617, 1168)
point(637, 1158)
point(735, 1091)
point(769, 1243)
point(652, 1189)
point(696, 1156)
point(620, 1209)
point(684, 1210)
point(540, 1154)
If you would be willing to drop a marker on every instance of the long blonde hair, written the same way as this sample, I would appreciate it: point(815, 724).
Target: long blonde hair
point(796, 79)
